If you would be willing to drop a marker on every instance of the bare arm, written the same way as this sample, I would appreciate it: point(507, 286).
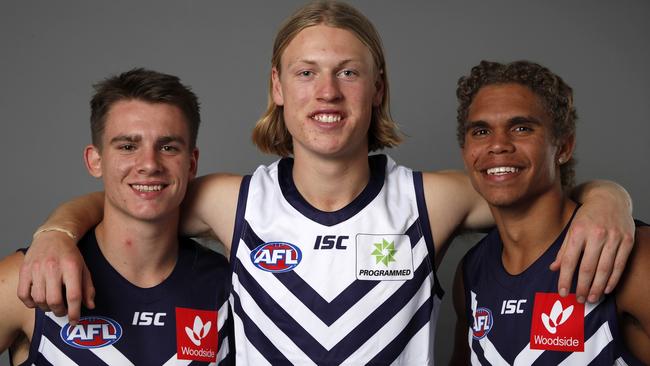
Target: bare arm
point(15, 318)
point(210, 205)
point(603, 232)
point(452, 205)
point(460, 356)
point(633, 298)
point(603, 228)
point(54, 260)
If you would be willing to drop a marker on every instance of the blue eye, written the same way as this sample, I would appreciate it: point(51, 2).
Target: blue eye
point(347, 73)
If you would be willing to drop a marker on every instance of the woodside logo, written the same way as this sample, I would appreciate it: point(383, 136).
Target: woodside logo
point(196, 334)
point(558, 323)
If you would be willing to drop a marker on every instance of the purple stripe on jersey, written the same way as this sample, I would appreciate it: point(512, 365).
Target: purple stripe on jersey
point(353, 340)
point(328, 312)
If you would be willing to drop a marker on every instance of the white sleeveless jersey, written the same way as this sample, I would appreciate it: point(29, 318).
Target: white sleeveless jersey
point(356, 286)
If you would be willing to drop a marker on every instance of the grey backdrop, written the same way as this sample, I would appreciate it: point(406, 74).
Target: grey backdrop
point(51, 53)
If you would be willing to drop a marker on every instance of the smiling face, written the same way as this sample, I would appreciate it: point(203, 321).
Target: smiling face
point(509, 152)
point(145, 160)
point(327, 85)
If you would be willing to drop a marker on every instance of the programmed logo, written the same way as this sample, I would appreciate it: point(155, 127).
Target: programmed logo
point(482, 323)
point(276, 257)
point(92, 332)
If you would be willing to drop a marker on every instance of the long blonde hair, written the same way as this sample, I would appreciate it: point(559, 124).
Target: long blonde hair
point(270, 133)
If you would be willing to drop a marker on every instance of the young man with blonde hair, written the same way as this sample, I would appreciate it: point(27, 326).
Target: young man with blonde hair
point(333, 251)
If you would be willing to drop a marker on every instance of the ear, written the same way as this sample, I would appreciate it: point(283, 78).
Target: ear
point(194, 163)
point(565, 149)
point(276, 87)
point(93, 160)
point(379, 90)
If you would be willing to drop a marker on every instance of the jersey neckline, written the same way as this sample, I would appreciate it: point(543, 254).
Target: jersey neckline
point(296, 200)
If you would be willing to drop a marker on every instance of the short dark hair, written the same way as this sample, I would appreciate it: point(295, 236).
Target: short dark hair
point(148, 86)
point(556, 96)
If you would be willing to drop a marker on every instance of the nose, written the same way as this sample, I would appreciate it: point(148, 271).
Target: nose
point(328, 89)
point(149, 161)
point(500, 143)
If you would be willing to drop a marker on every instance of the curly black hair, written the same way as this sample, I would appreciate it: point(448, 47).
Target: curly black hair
point(556, 95)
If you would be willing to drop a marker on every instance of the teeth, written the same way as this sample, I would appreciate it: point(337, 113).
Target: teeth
point(327, 118)
point(502, 170)
point(147, 188)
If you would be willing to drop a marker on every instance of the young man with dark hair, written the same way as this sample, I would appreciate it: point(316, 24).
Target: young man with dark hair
point(159, 299)
point(516, 128)
point(333, 251)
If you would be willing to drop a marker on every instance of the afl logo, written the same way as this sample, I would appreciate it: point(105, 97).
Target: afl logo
point(482, 323)
point(92, 332)
point(276, 257)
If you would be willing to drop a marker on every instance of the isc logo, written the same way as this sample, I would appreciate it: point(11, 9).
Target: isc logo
point(92, 332)
point(512, 306)
point(330, 242)
point(276, 256)
point(148, 318)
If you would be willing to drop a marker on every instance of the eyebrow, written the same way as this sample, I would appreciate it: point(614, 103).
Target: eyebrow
point(312, 62)
point(137, 138)
point(511, 122)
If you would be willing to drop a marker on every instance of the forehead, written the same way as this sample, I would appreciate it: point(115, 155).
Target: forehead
point(506, 101)
point(319, 41)
point(137, 117)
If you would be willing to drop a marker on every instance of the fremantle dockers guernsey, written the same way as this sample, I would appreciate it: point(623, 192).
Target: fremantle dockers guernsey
point(355, 286)
point(182, 321)
point(521, 320)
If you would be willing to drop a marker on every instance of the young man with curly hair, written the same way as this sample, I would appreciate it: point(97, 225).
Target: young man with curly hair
point(516, 128)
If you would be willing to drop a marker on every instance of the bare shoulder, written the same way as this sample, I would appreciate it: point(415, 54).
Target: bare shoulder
point(452, 204)
point(210, 206)
point(633, 297)
point(15, 318)
point(634, 285)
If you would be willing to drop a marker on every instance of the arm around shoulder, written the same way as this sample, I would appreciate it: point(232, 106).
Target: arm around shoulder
point(453, 204)
point(210, 206)
point(633, 298)
point(15, 318)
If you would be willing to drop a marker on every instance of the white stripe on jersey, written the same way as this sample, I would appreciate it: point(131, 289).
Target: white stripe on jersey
point(109, 354)
point(222, 317)
point(599, 340)
point(52, 354)
point(263, 322)
point(245, 352)
point(394, 326)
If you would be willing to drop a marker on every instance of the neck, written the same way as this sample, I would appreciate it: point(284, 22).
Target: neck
point(330, 184)
point(528, 230)
point(143, 252)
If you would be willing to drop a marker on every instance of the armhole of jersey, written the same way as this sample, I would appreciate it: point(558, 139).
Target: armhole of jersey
point(35, 342)
point(239, 219)
point(426, 229)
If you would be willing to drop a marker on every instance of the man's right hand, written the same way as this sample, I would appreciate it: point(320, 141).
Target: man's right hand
point(53, 268)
